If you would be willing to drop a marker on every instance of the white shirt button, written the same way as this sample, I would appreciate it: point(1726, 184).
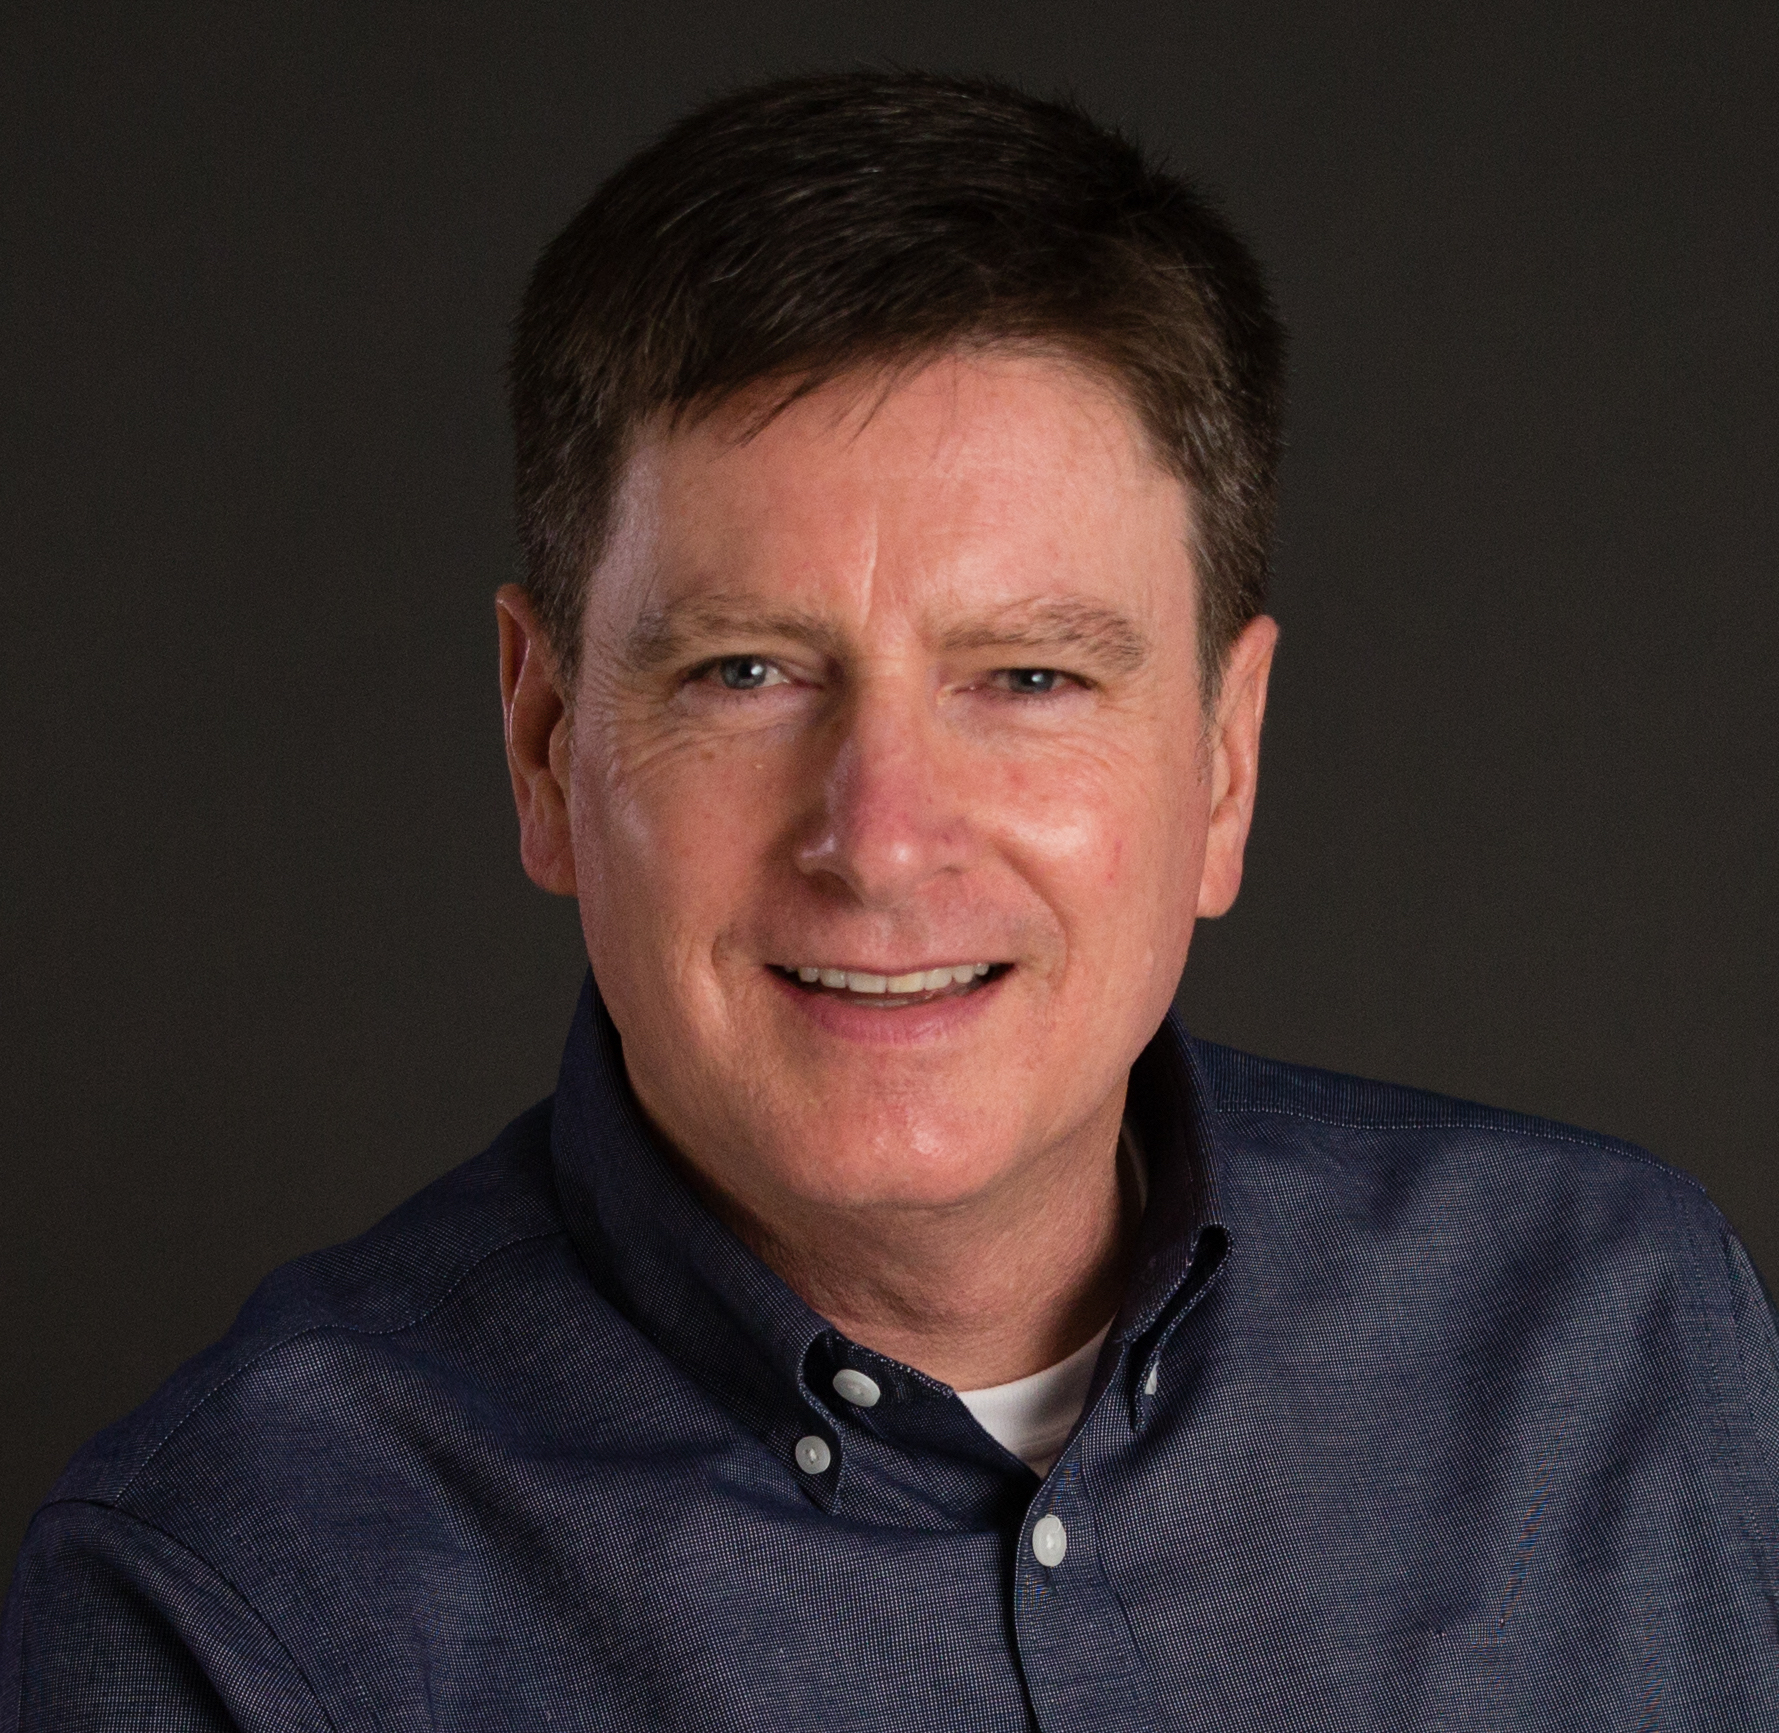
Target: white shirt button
point(1050, 1540)
point(861, 1391)
point(813, 1456)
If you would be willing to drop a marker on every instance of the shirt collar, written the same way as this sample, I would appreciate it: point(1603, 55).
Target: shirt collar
point(689, 1285)
point(658, 1255)
point(1183, 1240)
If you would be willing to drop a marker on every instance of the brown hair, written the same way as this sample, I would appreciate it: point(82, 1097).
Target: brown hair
point(800, 230)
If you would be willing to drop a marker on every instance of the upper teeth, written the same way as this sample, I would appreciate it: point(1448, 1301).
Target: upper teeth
point(921, 981)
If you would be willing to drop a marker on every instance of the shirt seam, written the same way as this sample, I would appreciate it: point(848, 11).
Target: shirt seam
point(1604, 1145)
point(228, 1582)
point(271, 1348)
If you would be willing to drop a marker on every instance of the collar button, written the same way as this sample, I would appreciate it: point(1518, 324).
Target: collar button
point(856, 1388)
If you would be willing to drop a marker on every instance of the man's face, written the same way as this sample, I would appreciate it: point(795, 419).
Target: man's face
point(900, 692)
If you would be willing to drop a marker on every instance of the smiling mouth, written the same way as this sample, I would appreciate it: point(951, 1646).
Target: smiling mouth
point(891, 992)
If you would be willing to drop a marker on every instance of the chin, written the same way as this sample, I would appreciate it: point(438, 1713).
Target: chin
point(888, 1170)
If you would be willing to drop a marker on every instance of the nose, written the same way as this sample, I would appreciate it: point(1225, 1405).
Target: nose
point(891, 815)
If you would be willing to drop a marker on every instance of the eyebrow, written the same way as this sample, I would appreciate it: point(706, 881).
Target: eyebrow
point(666, 634)
point(1105, 633)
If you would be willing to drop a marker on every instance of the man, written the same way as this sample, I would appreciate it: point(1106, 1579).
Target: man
point(895, 1320)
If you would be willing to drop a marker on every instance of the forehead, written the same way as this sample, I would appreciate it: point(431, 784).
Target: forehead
point(1003, 477)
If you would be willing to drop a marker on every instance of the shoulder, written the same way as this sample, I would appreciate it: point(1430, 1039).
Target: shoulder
point(1455, 1217)
point(1306, 1124)
point(1424, 1198)
point(318, 1329)
point(1542, 1310)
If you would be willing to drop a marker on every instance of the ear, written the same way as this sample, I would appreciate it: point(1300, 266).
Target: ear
point(1235, 763)
point(538, 743)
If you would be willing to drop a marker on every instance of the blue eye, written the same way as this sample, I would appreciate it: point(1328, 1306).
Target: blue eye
point(1032, 682)
point(744, 673)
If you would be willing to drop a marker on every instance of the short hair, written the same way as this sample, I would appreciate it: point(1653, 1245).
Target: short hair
point(801, 230)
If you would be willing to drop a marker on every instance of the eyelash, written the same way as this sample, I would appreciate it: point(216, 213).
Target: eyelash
point(1062, 677)
point(705, 671)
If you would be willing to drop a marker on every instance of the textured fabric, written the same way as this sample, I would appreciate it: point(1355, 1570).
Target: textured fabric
point(1416, 1416)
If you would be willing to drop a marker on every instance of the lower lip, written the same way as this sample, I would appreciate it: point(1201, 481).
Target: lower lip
point(885, 1026)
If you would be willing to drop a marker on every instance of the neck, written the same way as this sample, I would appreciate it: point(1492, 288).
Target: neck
point(973, 1294)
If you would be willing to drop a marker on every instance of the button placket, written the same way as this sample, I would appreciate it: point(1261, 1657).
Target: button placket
point(1050, 1541)
point(1074, 1641)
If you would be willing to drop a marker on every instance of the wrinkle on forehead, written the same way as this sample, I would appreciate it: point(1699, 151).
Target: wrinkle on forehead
point(687, 539)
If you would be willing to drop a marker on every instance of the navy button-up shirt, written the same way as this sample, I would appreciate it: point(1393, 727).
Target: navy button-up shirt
point(1416, 1416)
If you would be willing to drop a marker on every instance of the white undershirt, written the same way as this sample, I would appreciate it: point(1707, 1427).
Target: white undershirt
point(1033, 1416)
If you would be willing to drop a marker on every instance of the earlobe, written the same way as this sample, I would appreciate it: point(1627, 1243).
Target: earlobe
point(1235, 764)
point(534, 715)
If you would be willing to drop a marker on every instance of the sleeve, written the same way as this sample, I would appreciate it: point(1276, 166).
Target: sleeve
point(1755, 1371)
point(111, 1624)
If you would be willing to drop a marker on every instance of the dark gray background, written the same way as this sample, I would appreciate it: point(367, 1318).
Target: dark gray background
point(269, 959)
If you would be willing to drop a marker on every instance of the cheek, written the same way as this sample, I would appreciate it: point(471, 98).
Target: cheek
point(1115, 844)
point(673, 834)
